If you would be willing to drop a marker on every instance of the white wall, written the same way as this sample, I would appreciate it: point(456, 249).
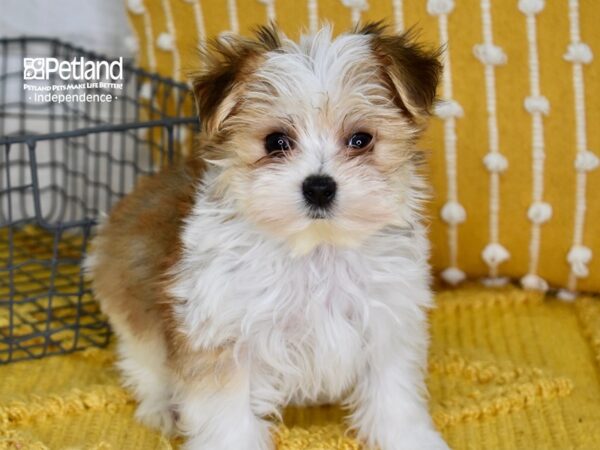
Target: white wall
point(99, 25)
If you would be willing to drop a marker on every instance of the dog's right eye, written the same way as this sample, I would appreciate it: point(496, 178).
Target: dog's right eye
point(277, 142)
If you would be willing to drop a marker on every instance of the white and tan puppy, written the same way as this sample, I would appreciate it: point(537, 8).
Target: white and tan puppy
point(287, 262)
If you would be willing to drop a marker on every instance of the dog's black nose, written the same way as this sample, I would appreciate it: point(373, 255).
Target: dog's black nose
point(319, 190)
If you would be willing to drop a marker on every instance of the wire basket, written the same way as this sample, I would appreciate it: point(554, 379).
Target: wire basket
point(62, 165)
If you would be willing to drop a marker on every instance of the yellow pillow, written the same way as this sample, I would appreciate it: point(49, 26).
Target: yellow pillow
point(513, 163)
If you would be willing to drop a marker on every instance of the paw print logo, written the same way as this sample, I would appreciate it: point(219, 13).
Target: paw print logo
point(33, 68)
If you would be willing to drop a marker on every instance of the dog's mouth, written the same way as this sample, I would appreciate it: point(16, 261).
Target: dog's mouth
point(318, 214)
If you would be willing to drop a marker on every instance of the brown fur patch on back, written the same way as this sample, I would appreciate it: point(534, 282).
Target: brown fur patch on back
point(139, 243)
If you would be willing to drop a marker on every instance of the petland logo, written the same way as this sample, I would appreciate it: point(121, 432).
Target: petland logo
point(48, 80)
point(78, 69)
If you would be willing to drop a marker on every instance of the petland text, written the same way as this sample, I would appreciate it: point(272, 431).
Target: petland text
point(78, 69)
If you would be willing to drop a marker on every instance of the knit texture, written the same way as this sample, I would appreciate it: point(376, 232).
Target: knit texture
point(508, 369)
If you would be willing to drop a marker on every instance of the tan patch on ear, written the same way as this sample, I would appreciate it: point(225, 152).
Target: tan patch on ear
point(411, 70)
point(228, 61)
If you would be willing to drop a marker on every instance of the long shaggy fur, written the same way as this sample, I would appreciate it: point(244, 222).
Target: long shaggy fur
point(230, 300)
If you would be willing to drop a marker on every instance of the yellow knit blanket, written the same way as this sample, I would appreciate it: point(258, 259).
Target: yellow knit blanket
point(508, 369)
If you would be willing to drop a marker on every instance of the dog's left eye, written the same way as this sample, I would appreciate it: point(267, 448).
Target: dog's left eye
point(277, 142)
point(360, 140)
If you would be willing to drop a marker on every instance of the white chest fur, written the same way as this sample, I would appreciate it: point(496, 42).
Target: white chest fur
point(304, 320)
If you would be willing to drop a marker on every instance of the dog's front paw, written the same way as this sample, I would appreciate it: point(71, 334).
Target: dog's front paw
point(233, 436)
point(228, 443)
point(419, 438)
point(156, 415)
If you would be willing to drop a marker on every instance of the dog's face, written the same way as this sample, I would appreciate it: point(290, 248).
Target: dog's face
point(316, 140)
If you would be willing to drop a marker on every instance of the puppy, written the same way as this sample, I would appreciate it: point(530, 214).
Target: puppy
point(287, 262)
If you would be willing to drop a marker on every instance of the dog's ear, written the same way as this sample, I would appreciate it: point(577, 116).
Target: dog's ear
point(411, 70)
point(228, 60)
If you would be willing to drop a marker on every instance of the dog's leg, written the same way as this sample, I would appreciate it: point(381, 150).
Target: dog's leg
point(389, 400)
point(215, 412)
point(142, 363)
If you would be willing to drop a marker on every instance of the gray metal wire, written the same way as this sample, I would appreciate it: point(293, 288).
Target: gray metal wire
point(61, 167)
